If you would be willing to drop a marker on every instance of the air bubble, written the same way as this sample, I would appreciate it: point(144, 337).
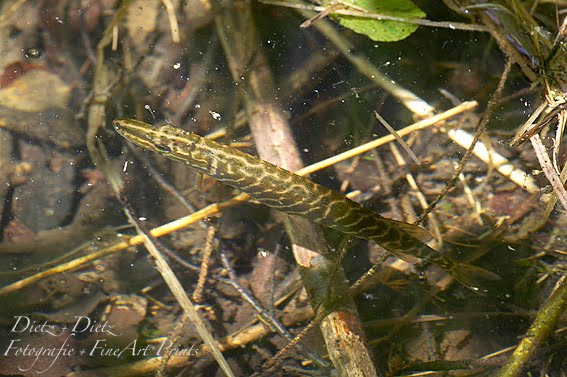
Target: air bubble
point(32, 53)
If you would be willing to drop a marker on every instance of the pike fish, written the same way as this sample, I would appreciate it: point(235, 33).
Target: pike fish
point(293, 194)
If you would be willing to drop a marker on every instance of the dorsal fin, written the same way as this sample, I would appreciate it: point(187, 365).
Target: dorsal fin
point(417, 232)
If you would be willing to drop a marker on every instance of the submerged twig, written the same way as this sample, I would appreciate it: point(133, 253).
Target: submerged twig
point(501, 163)
point(549, 170)
point(541, 328)
point(435, 120)
point(478, 133)
point(398, 137)
point(205, 260)
point(267, 318)
point(173, 25)
point(364, 65)
point(553, 198)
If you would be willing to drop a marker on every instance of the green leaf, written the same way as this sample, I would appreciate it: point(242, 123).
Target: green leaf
point(378, 30)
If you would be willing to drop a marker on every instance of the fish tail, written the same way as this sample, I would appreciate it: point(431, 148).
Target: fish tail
point(470, 276)
point(409, 245)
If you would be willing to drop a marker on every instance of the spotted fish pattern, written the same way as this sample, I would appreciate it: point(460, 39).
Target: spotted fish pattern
point(293, 194)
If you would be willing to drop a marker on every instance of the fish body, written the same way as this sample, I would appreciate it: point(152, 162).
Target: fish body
point(292, 194)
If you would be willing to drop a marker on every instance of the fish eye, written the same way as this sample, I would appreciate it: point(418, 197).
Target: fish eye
point(162, 148)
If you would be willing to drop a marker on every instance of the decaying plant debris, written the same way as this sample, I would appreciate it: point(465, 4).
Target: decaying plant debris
point(241, 281)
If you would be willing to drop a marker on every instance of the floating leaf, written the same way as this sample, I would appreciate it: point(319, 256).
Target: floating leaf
point(379, 30)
